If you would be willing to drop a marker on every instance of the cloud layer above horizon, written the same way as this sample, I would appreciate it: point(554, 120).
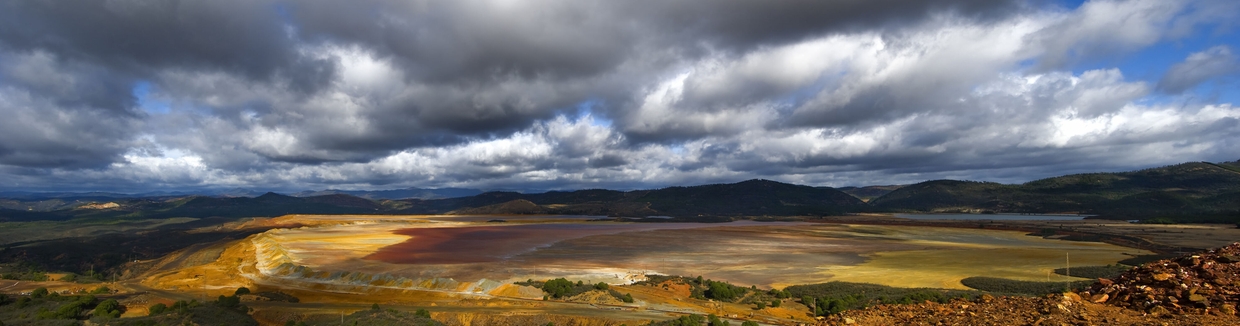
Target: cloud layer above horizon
point(141, 95)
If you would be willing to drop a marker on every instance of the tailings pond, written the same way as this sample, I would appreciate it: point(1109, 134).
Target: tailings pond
point(757, 253)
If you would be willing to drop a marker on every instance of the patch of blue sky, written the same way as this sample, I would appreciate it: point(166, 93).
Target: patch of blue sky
point(586, 110)
point(1152, 62)
point(678, 149)
point(142, 91)
point(797, 97)
point(1149, 64)
point(1217, 91)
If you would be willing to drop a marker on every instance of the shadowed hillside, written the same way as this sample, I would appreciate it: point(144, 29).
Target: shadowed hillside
point(868, 193)
point(1187, 192)
point(748, 198)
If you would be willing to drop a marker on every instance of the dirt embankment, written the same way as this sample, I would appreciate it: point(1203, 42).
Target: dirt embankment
point(1199, 289)
point(1203, 283)
point(1067, 309)
point(504, 319)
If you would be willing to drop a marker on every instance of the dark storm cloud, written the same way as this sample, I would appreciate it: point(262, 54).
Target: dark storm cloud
point(62, 114)
point(484, 69)
point(147, 35)
point(740, 25)
point(581, 94)
point(585, 50)
point(463, 41)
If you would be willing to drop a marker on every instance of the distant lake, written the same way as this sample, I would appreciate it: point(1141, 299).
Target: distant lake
point(997, 217)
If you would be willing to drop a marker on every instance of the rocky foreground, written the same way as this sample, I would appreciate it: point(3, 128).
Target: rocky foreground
point(1200, 289)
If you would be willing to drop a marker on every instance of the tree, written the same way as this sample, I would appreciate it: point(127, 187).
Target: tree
point(601, 286)
point(690, 320)
point(558, 287)
point(66, 311)
point(761, 304)
point(628, 298)
point(422, 313)
point(38, 293)
point(374, 306)
point(242, 290)
point(228, 302)
point(749, 323)
point(109, 308)
point(156, 309)
point(776, 303)
point(22, 302)
point(720, 291)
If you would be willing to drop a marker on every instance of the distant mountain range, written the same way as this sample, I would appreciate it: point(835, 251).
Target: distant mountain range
point(869, 192)
point(417, 193)
point(51, 201)
point(1195, 191)
point(1189, 191)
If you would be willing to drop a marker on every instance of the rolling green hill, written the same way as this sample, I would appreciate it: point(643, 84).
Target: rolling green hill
point(1194, 191)
point(748, 198)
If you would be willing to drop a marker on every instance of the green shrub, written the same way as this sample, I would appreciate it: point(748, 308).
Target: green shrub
point(1159, 220)
point(38, 293)
point(723, 291)
point(1002, 285)
point(422, 313)
point(600, 286)
point(108, 309)
point(1106, 271)
point(157, 308)
point(835, 297)
point(228, 302)
point(561, 287)
point(688, 320)
point(69, 310)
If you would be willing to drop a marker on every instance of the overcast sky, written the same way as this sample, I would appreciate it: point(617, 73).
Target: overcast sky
point(141, 95)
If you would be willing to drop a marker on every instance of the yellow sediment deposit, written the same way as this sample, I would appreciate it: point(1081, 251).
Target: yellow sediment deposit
point(517, 291)
point(1005, 254)
point(220, 277)
point(325, 245)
